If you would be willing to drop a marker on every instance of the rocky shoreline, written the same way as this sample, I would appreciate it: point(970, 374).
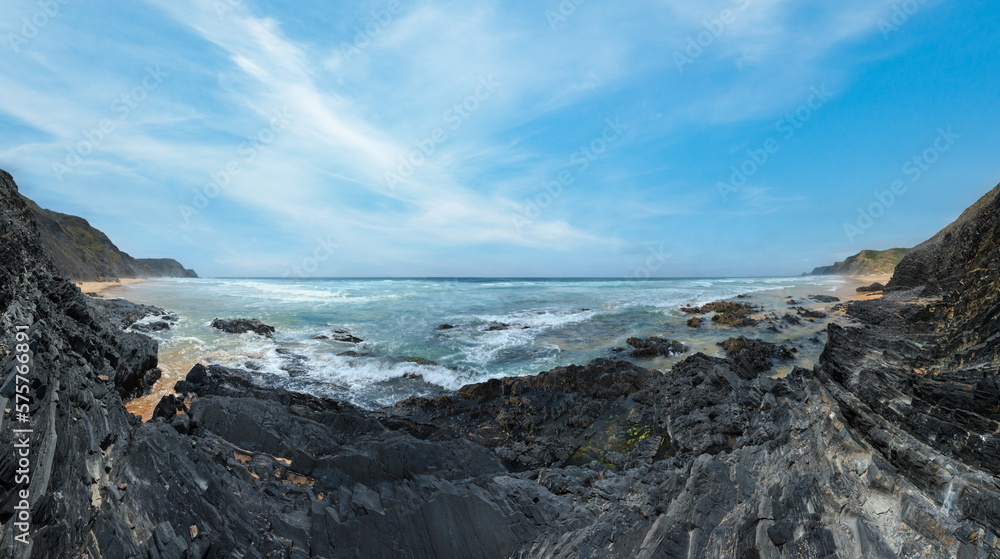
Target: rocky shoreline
point(887, 448)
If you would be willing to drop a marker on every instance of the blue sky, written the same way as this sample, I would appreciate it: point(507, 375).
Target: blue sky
point(485, 138)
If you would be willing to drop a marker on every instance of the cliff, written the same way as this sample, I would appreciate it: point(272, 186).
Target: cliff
point(865, 263)
point(167, 268)
point(82, 253)
point(962, 264)
point(955, 254)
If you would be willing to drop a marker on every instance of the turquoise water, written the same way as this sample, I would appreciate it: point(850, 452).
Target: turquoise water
point(549, 323)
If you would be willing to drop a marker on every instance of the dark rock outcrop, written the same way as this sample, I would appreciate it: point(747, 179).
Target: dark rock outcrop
point(811, 314)
point(755, 355)
point(81, 368)
point(655, 347)
point(243, 325)
point(870, 288)
point(940, 264)
point(727, 312)
point(124, 314)
point(346, 337)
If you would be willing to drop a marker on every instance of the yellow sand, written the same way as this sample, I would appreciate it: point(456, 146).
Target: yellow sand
point(100, 287)
point(850, 289)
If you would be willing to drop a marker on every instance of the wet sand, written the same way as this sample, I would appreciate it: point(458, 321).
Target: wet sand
point(171, 373)
point(850, 289)
point(101, 287)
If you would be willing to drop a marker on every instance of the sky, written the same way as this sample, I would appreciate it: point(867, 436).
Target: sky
point(553, 138)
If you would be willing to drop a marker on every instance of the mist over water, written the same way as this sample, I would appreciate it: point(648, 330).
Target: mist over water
point(502, 327)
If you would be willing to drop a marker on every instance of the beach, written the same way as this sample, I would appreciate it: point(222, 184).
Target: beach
point(498, 328)
point(104, 288)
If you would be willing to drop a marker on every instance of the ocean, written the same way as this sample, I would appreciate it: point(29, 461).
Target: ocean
point(502, 327)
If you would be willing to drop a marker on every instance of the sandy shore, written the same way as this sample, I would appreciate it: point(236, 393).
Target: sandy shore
point(850, 289)
point(100, 287)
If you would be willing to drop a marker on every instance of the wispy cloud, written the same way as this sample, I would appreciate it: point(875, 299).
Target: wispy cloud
point(366, 91)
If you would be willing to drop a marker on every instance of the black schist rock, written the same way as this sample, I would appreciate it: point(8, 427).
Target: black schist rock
point(243, 325)
point(755, 356)
point(124, 313)
point(875, 287)
point(655, 347)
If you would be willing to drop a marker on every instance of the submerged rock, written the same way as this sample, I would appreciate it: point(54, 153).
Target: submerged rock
point(791, 319)
point(346, 337)
point(420, 361)
point(806, 313)
point(727, 312)
point(243, 325)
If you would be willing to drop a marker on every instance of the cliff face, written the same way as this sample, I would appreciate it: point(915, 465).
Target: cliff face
point(81, 367)
point(167, 268)
point(82, 253)
point(79, 251)
point(956, 253)
point(865, 263)
point(962, 263)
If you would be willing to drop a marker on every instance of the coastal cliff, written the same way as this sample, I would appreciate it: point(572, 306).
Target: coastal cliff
point(167, 268)
point(865, 263)
point(82, 253)
point(887, 448)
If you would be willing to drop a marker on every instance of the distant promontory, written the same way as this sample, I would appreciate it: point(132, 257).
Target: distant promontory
point(82, 253)
point(865, 263)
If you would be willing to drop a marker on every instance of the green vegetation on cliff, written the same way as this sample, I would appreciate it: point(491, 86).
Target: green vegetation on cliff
point(82, 253)
point(865, 263)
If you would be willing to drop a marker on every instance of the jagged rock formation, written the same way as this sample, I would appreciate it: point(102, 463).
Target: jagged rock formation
point(81, 369)
point(888, 448)
point(962, 264)
point(865, 263)
point(82, 253)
